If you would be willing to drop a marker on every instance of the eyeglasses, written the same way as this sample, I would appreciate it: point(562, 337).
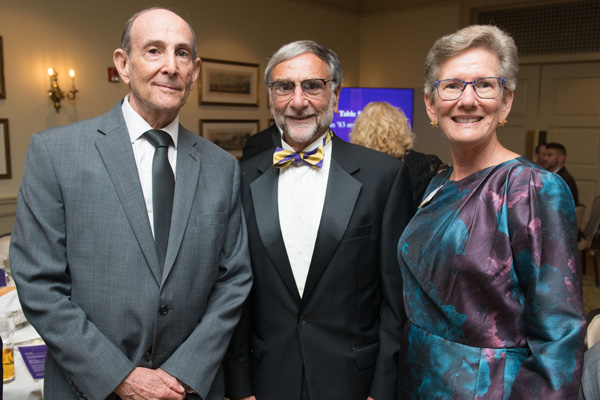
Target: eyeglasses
point(312, 88)
point(486, 88)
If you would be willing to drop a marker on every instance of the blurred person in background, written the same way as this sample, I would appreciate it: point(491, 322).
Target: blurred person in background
point(540, 152)
point(555, 157)
point(383, 127)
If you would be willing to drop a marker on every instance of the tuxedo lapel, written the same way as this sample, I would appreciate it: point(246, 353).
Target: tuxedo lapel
point(116, 153)
point(266, 209)
point(340, 199)
point(186, 181)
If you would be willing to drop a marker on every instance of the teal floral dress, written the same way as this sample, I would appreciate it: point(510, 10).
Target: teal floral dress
point(492, 288)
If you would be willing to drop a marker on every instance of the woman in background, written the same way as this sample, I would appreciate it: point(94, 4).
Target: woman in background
point(490, 265)
point(383, 127)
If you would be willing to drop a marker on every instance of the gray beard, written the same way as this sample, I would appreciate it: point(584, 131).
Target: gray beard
point(320, 128)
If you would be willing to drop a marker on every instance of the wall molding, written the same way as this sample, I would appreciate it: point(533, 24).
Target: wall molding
point(8, 207)
point(8, 213)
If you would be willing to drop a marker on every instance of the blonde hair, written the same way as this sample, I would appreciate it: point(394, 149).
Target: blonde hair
point(383, 127)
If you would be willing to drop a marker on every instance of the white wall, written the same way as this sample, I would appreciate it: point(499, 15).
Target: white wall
point(65, 34)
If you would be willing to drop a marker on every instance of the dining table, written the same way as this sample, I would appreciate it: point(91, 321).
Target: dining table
point(24, 386)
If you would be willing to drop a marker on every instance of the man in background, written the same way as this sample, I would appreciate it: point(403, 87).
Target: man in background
point(129, 248)
point(325, 316)
point(554, 161)
point(263, 140)
point(540, 153)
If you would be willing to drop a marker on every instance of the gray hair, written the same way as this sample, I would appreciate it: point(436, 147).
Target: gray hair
point(126, 35)
point(294, 49)
point(486, 37)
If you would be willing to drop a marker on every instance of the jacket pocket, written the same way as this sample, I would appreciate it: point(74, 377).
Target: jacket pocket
point(360, 231)
point(211, 219)
point(366, 356)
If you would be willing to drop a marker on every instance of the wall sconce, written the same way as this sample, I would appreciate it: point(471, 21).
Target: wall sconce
point(55, 94)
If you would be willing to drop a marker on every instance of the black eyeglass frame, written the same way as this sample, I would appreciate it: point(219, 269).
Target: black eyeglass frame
point(325, 81)
point(472, 83)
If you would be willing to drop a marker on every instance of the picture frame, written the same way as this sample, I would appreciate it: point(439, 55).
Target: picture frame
point(228, 83)
point(2, 85)
point(5, 171)
point(229, 134)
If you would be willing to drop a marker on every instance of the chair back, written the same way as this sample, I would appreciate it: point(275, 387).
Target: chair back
point(591, 229)
point(593, 327)
point(579, 214)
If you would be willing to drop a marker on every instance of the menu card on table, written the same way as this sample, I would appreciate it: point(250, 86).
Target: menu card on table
point(34, 357)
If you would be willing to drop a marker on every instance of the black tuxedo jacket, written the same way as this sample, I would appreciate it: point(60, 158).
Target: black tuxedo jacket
point(570, 181)
point(344, 333)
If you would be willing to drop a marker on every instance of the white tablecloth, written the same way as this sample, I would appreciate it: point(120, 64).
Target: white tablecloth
point(24, 387)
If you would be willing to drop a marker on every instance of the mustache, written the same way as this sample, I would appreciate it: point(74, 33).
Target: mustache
point(301, 115)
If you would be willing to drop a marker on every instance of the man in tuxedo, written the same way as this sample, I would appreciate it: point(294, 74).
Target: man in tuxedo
point(134, 298)
point(555, 157)
point(325, 315)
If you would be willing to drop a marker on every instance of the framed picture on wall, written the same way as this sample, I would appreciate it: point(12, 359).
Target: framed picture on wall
point(4, 150)
point(230, 134)
point(2, 86)
point(228, 83)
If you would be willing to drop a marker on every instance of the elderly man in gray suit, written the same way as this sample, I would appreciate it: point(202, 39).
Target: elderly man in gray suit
point(133, 303)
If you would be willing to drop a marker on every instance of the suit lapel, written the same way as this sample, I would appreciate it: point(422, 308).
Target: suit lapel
point(117, 154)
point(186, 182)
point(266, 209)
point(340, 199)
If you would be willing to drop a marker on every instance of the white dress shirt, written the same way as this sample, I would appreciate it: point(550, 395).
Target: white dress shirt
point(143, 150)
point(301, 196)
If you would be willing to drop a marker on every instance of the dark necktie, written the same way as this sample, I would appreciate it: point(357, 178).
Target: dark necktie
point(163, 186)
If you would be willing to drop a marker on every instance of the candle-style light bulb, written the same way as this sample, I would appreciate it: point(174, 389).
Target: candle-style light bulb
point(72, 73)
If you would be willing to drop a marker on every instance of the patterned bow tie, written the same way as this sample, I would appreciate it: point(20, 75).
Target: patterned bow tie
point(314, 158)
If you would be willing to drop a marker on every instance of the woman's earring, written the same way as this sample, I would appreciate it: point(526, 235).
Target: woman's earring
point(502, 122)
point(434, 124)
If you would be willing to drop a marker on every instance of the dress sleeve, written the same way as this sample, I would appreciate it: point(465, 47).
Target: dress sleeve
point(543, 232)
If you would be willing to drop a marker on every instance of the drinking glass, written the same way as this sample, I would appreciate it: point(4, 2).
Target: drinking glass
point(7, 331)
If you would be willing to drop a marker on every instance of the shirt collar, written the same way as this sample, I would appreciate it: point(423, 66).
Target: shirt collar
point(136, 125)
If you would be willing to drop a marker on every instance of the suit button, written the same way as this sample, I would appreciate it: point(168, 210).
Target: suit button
point(147, 356)
point(163, 310)
point(302, 320)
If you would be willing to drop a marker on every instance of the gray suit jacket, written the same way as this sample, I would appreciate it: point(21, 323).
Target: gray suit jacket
point(590, 379)
point(86, 267)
